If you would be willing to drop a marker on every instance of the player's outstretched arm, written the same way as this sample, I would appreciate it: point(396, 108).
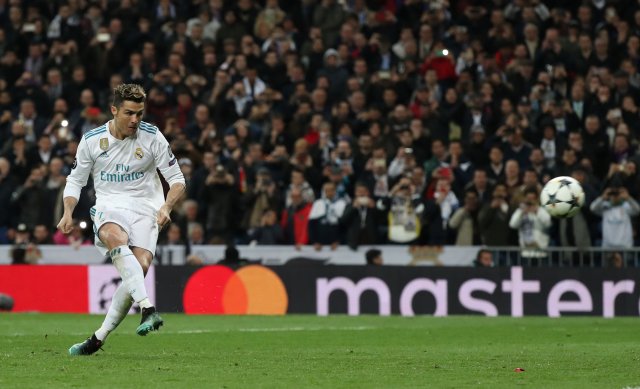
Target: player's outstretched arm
point(175, 193)
point(76, 180)
point(66, 223)
point(167, 164)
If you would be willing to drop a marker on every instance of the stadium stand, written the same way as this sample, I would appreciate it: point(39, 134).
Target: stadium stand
point(399, 109)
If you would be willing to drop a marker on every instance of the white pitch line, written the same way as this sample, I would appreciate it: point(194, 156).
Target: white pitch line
point(225, 330)
point(277, 329)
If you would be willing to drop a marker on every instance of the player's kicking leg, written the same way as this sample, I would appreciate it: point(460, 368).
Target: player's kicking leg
point(120, 305)
point(132, 269)
point(151, 320)
point(88, 347)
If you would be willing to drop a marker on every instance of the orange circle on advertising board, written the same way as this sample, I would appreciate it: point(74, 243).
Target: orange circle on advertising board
point(253, 290)
point(265, 290)
point(234, 296)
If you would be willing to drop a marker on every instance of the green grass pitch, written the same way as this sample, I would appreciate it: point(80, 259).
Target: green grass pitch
point(327, 352)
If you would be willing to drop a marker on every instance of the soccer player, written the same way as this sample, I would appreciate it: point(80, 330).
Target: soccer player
point(122, 155)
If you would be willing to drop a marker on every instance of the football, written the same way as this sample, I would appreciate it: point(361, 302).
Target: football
point(562, 197)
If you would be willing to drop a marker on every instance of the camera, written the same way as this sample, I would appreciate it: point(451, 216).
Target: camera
point(474, 10)
point(379, 162)
point(29, 27)
point(408, 150)
point(103, 37)
point(63, 132)
point(404, 187)
point(614, 192)
point(384, 75)
point(219, 171)
point(401, 68)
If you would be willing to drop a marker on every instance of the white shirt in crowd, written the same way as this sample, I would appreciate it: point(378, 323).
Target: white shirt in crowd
point(617, 230)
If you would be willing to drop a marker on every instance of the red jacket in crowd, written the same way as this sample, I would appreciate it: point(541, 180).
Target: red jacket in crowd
point(296, 224)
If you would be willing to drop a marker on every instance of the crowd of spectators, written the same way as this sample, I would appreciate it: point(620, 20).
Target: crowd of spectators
point(330, 122)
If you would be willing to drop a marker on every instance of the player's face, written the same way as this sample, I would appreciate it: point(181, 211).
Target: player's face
point(127, 118)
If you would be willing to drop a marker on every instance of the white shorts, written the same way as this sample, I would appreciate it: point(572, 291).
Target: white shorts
point(142, 229)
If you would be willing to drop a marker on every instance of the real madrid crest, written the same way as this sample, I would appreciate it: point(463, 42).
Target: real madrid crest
point(139, 154)
point(104, 144)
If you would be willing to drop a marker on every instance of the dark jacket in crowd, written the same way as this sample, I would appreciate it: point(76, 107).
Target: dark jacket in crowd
point(359, 225)
point(222, 210)
point(494, 226)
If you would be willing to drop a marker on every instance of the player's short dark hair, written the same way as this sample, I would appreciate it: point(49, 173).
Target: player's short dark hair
point(128, 92)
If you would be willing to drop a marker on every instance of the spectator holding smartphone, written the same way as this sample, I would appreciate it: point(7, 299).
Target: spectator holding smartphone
point(532, 222)
point(616, 208)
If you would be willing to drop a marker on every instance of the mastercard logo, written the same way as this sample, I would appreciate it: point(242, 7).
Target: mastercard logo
point(250, 290)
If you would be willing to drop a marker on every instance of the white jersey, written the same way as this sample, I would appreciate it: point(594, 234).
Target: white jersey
point(124, 171)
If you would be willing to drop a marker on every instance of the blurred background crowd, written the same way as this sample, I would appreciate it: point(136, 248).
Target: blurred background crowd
point(332, 122)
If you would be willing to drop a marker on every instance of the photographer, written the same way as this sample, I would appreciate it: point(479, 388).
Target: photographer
point(404, 161)
point(532, 223)
point(30, 197)
point(376, 175)
point(616, 207)
point(405, 212)
point(19, 152)
point(343, 156)
point(494, 218)
point(278, 163)
point(239, 99)
point(220, 201)
point(596, 145)
point(262, 197)
point(465, 221)
point(626, 173)
point(359, 218)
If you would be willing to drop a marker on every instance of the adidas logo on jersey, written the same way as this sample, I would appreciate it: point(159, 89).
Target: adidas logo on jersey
point(103, 154)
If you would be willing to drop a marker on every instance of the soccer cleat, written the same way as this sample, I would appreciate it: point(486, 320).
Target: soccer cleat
point(88, 347)
point(151, 321)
